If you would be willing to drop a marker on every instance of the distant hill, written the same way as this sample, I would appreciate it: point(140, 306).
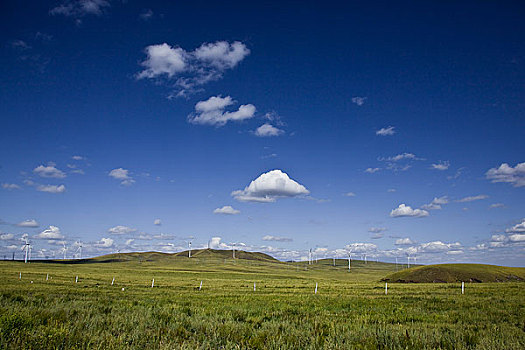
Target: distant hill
point(156, 256)
point(227, 254)
point(449, 273)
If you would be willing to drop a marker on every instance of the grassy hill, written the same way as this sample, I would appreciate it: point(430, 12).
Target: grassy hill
point(449, 273)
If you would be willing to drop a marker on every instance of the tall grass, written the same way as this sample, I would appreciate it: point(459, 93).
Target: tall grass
point(350, 310)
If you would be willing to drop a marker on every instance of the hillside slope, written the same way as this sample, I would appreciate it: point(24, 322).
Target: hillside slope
point(449, 273)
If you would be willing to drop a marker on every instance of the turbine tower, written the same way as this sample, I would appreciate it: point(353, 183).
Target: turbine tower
point(26, 248)
point(79, 249)
point(64, 249)
point(189, 249)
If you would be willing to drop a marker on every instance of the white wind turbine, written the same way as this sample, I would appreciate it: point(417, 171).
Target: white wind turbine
point(189, 249)
point(350, 260)
point(79, 249)
point(64, 249)
point(26, 247)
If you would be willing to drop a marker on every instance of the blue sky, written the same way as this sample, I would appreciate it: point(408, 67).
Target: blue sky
point(377, 128)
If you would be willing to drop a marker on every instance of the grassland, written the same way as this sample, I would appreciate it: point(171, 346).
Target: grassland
point(349, 311)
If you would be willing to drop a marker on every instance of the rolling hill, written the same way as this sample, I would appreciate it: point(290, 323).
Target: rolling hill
point(449, 273)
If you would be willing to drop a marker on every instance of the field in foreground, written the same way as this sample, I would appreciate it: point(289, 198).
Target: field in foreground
point(349, 311)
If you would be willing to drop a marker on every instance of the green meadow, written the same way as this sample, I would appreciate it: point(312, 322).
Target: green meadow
point(349, 311)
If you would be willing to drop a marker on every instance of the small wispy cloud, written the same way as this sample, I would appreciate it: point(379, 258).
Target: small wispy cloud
point(212, 112)
point(472, 198)
point(226, 210)
point(441, 165)
point(386, 131)
point(359, 100)
point(123, 175)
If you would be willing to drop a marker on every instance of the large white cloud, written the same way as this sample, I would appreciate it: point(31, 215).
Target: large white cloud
point(49, 171)
point(270, 186)
point(123, 175)
point(226, 210)
point(6, 236)
point(191, 69)
point(506, 173)
point(52, 232)
point(51, 188)
point(121, 230)
point(28, 223)
point(267, 130)
point(405, 210)
point(212, 112)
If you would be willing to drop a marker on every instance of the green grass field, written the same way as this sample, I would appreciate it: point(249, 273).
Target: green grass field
point(349, 311)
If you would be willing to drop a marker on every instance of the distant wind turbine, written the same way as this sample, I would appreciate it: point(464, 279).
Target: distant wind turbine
point(64, 250)
point(26, 248)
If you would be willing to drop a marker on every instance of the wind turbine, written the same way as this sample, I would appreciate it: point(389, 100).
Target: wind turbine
point(350, 260)
point(189, 249)
point(26, 248)
point(79, 249)
point(233, 251)
point(408, 260)
point(64, 249)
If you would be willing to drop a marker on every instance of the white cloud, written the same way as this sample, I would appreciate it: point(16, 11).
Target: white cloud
point(270, 186)
point(377, 229)
point(404, 210)
point(215, 243)
point(276, 238)
point(226, 210)
point(518, 228)
point(497, 205)
point(222, 54)
point(28, 223)
point(472, 198)
point(49, 171)
point(192, 69)
point(163, 59)
point(80, 8)
point(401, 156)
point(52, 232)
point(267, 130)
point(121, 230)
point(146, 15)
point(441, 165)
point(436, 203)
point(508, 174)
point(157, 222)
point(105, 243)
point(212, 112)
point(51, 188)
point(438, 246)
point(372, 170)
point(77, 157)
point(386, 131)
point(6, 236)
point(361, 247)
point(349, 194)
point(359, 100)
point(517, 237)
point(404, 241)
point(8, 186)
point(122, 175)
